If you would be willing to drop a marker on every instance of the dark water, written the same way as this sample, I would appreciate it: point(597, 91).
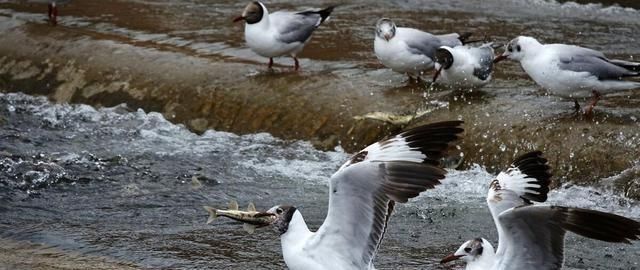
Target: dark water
point(119, 184)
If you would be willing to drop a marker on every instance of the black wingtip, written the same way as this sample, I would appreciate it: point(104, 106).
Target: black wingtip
point(599, 225)
point(405, 180)
point(534, 165)
point(628, 65)
point(433, 140)
point(325, 13)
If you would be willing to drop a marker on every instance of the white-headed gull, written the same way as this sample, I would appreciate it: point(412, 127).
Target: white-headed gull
point(409, 50)
point(362, 195)
point(571, 71)
point(464, 66)
point(532, 236)
point(280, 33)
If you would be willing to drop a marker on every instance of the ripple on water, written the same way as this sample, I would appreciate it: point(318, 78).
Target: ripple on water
point(118, 182)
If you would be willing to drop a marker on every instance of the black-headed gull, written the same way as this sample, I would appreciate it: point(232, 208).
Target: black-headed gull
point(409, 50)
point(464, 66)
point(571, 71)
point(362, 195)
point(280, 33)
point(532, 236)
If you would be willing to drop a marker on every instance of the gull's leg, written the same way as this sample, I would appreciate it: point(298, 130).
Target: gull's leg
point(576, 106)
point(296, 67)
point(594, 100)
point(270, 62)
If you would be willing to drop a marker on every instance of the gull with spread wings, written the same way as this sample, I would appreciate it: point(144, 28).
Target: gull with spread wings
point(362, 195)
point(532, 236)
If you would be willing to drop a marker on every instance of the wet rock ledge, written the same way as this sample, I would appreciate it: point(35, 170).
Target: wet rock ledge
point(326, 107)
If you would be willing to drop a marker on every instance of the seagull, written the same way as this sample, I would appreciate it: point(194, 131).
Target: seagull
point(571, 71)
point(409, 50)
point(532, 236)
point(362, 195)
point(464, 66)
point(52, 5)
point(280, 33)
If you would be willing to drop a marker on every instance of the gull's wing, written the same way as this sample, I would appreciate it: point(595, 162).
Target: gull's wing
point(298, 27)
point(484, 66)
point(423, 43)
point(581, 59)
point(528, 176)
point(527, 179)
point(535, 234)
point(363, 191)
point(452, 39)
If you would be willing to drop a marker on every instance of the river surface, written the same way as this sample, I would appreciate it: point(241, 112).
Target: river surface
point(116, 182)
point(119, 183)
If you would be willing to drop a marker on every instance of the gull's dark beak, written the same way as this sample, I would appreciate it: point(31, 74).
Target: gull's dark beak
point(239, 18)
point(451, 257)
point(387, 37)
point(499, 58)
point(435, 75)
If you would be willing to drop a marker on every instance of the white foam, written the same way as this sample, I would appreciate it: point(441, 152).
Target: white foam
point(271, 157)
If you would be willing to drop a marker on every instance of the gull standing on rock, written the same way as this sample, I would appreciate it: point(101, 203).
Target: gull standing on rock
point(408, 50)
point(531, 237)
point(464, 66)
point(362, 195)
point(280, 33)
point(571, 71)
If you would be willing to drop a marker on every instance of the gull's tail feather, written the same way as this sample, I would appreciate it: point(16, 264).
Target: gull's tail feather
point(464, 37)
point(324, 13)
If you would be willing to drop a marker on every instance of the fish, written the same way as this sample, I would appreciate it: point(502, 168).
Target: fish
point(251, 218)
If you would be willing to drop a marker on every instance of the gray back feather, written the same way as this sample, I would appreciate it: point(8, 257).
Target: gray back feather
point(427, 44)
point(581, 59)
point(299, 27)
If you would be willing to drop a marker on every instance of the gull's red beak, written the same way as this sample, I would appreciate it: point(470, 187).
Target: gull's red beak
point(450, 257)
point(387, 37)
point(435, 75)
point(499, 58)
point(239, 18)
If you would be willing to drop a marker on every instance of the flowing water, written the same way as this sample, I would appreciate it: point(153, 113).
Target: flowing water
point(119, 183)
point(127, 186)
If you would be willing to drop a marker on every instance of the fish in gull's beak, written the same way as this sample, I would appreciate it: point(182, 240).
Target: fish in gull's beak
point(251, 218)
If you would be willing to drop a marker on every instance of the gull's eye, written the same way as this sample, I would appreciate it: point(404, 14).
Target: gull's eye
point(279, 211)
point(509, 48)
point(467, 250)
